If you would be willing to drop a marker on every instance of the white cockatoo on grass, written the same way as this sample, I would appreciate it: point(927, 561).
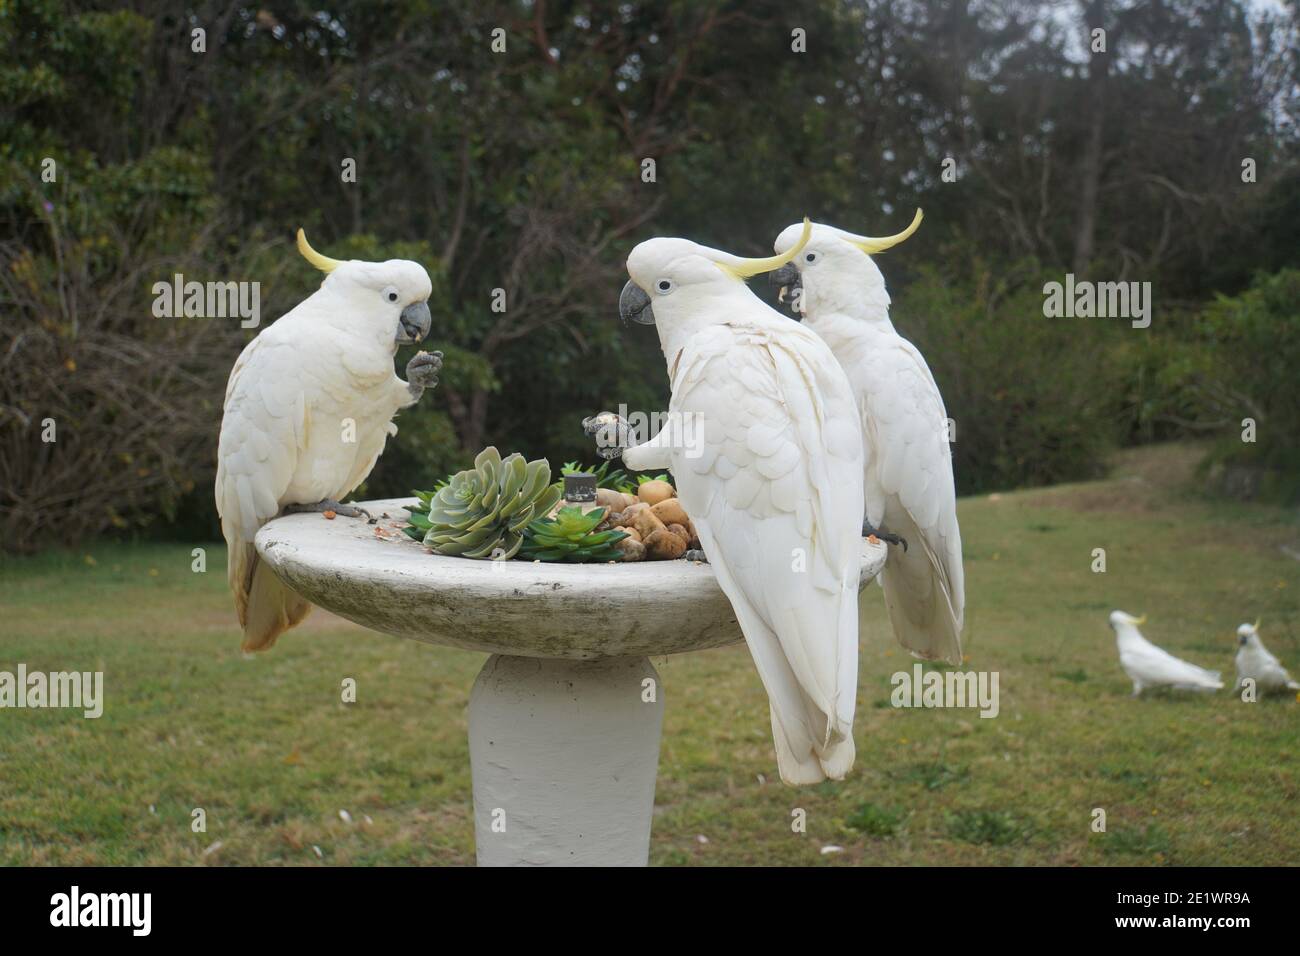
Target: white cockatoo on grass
point(1149, 666)
point(910, 499)
point(767, 459)
point(1254, 662)
point(309, 406)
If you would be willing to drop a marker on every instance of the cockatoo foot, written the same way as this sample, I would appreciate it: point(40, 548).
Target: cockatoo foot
point(612, 433)
point(870, 532)
point(329, 504)
point(695, 554)
point(423, 369)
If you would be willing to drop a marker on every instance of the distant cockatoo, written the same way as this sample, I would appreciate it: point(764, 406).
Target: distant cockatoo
point(763, 446)
point(1254, 662)
point(309, 406)
point(1149, 666)
point(910, 498)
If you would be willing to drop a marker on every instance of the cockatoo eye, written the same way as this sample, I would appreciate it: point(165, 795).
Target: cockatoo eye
point(810, 257)
point(664, 286)
point(390, 294)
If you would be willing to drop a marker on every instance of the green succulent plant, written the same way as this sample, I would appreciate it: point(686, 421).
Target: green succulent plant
point(482, 512)
point(419, 513)
point(571, 536)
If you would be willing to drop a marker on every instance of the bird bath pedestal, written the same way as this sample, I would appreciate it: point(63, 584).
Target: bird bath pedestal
point(564, 718)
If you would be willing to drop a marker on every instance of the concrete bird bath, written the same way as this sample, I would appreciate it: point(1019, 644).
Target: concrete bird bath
point(565, 716)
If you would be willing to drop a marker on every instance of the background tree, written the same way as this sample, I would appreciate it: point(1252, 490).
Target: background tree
point(521, 171)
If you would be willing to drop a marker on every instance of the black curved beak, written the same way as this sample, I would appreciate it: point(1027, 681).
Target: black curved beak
point(414, 323)
point(791, 284)
point(786, 275)
point(634, 304)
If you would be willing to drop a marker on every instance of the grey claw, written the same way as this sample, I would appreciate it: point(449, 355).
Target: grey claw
point(329, 504)
point(894, 539)
point(423, 369)
point(613, 435)
point(599, 422)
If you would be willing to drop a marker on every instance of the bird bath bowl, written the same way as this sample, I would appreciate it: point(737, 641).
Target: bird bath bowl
point(565, 716)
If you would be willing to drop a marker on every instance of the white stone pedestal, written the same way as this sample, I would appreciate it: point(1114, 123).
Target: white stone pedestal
point(564, 756)
point(564, 738)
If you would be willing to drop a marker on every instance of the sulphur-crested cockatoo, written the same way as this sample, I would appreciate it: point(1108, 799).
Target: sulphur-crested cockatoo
point(1254, 662)
point(910, 499)
point(309, 406)
point(1149, 666)
point(767, 459)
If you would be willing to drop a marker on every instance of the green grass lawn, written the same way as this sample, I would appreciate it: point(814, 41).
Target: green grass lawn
point(267, 748)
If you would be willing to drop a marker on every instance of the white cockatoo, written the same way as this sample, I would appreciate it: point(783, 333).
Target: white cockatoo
point(1254, 662)
point(1149, 666)
point(768, 463)
point(910, 499)
point(309, 406)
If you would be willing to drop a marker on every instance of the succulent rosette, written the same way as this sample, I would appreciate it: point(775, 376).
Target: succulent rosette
point(482, 512)
point(572, 536)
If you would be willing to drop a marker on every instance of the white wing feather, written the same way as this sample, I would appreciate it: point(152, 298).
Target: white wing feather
point(1259, 664)
point(910, 490)
point(1152, 666)
point(263, 432)
point(775, 495)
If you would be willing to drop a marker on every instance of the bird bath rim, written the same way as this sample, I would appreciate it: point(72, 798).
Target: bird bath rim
point(390, 583)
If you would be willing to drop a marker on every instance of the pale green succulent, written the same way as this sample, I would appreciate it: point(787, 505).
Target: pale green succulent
point(482, 511)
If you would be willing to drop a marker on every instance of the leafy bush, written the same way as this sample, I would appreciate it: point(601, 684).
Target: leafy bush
point(1034, 400)
point(1250, 368)
point(523, 177)
point(1233, 359)
point(108, 415)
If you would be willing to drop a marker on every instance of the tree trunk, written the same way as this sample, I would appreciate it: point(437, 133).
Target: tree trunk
point(471, 435)
point(1090, 174)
